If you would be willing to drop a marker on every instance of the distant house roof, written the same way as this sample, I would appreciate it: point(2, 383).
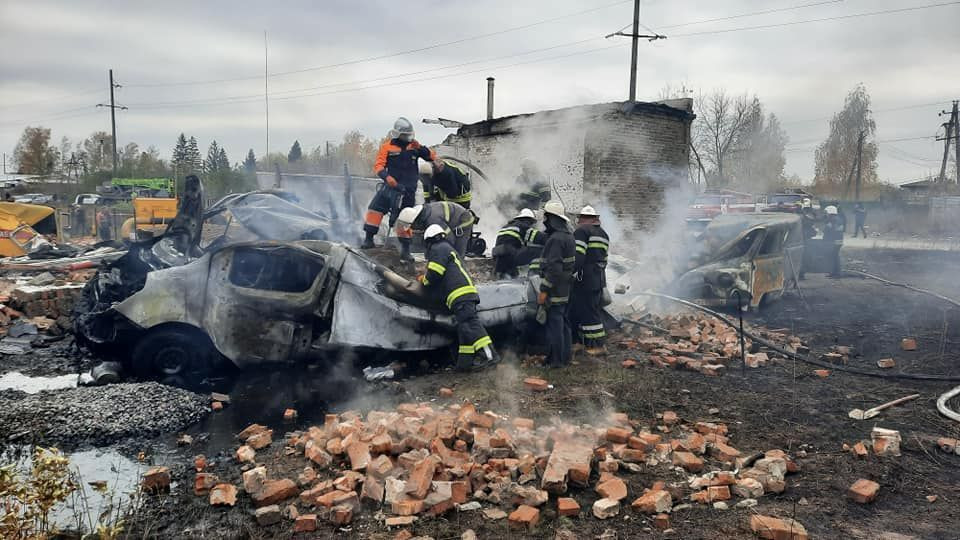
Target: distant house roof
point(919, 184)
point(679, 108)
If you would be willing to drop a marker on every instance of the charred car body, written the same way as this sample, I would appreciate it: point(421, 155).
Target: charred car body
point(758, 255)
point(251, 300)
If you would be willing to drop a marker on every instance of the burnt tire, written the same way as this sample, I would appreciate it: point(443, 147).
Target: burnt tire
point(172, 353)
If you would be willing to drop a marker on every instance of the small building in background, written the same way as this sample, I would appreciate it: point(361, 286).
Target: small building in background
point(622, 155)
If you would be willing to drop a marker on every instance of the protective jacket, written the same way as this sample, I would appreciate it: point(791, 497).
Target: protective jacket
point(450, 184)
point(398, 159)
point(446, 275)
point(536, 192)
point(556, 266)
point(833, 230)
point(533, 243)
point(591, 265)
point(451, 216)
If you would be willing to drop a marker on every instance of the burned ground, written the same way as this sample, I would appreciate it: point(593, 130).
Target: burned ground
point(783, 405)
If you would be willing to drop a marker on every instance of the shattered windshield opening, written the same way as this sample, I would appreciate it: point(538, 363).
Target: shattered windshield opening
point(273, 270)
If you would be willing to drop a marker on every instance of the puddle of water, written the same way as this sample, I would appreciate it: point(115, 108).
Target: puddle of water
point(15, 380)
point(82, 510)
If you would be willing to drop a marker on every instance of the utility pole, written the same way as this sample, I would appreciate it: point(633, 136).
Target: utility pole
point(952, 133)
point(113, 120)
point(635, 35)
point(266, 94)
point(859, 163)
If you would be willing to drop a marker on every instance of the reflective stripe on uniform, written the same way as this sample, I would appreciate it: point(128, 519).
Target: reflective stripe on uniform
point(436, 267)
point(460, 291)
point(559, 299)
point(595, 335)
point(510, 231)
point(595, 245)
point(581, 246)
point(589, 327)
point(466, 349)
point(569, 259)
point(476, 346)
point(547, 282)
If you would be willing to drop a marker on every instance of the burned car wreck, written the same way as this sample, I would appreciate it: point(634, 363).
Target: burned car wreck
point(757, 256)
point(271, 292)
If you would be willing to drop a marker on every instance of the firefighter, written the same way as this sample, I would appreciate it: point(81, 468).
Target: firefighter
point(833, 229)
point(396, 165)
point(510, 242)
point(535, 187)
point(556, 272)
point(586, 294)
point(444, 181)
point(808, 219)
point(528, 260)
point(446, 276)
point(457, 222)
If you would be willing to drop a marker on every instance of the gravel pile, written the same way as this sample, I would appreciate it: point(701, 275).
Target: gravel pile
point(99, 415)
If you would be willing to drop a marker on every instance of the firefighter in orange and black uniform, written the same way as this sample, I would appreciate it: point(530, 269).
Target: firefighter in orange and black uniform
point(397, 166)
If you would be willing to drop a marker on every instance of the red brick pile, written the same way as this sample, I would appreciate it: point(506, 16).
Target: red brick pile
point(702, 343)
point(419, 461)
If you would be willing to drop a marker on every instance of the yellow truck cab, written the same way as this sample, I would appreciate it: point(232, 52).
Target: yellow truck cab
point(21, 223)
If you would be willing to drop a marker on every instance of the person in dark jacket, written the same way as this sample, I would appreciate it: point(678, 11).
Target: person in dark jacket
point(586, 296)
point(396, 165)
point(447, 278)
point(859, 220)
point(529, 257)
point(535, 189)
point(510, 242)
point(833, 229)
point(444, 181)
point(457, 222)
point(556, 272)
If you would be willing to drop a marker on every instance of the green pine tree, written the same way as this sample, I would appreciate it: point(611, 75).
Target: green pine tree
point(295, 153)
point(250, 164)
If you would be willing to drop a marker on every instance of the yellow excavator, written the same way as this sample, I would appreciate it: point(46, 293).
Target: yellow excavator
point(23, 224)
point(151, 213)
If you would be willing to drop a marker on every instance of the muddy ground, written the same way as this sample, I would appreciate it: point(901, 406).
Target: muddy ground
point(782, 406)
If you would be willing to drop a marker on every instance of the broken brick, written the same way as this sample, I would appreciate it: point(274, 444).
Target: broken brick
point(629, 363)
point(341, 515)
point(606, 508)
point(613, 488)
point(670, 418)
point(359, 453)
point(407, 507)
point(156, 479)
point(203, 483)
point(860, 450)
point(536, 384)
point(223, 495)
point(653, 501)
point(688, 461)
point(254, 479)
point(268, 515)
point(275, 491)
point(446, 392)
point(305, 523)
point(724, 452)
point(290, 415)
point(886, 442)
point(418, 485)
point(251, 430)
point(886, 363)
point(618, 435)
point(567, 506)
point(524, 517)
point(822, 373)
point(863, 491)
point(245, 454)
point(773, 528)
point(748, 488)
point(216, 406)
point(948, 445)
point(661, 521)
point(908, 344)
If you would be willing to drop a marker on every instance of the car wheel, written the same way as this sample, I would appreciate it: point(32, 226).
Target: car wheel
point(171, 352)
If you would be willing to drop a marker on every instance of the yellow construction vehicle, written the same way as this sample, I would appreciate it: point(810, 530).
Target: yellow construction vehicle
point(151, 213)
point(22, 224)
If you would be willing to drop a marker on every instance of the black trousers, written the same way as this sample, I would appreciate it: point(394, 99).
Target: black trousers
point(387, 200)
point(472, 337)
point(859, 227)
point(558, 336)
point(585, 315)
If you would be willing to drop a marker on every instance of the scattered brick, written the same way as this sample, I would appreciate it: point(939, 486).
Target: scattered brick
point(863, 491)
point(613, 488)
point(688, 461)
point(245, 454)
point(203, 483)
point(156, 480)
point(886, 442)
point(629, 363)
point(535, 384)
point(305, 523)
point(886, 363)
point(822, 373)
point(949, 445)
point(618, 435)
point(223, 495)
point(524, 517)
point(777, 529)
point(275, 491)
point(606, 508)
point(661, 521)
point(290, 415)
point(653, 501)
point(216, 406)
point(567, 507)
point(268, 515)
point(446, 392)
point(670, 418)
point(908, 344)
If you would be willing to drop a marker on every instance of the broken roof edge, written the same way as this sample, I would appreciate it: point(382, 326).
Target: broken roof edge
point(681, 109)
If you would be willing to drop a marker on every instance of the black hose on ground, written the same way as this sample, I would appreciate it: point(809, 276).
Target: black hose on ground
point(905, 286)
point(815, 362)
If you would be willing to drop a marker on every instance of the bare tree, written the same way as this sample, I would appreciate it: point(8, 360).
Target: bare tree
point(835, 157)
point(722, 122)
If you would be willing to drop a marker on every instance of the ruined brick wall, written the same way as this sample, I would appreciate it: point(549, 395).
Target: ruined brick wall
point(632, 159)
point(605, 155)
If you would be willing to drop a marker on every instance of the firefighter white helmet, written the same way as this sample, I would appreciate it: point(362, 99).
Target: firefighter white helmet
point(526, 213)
point(556, 209)
point(408, 216)
point(831, 210)
point(434, 231)
point(425, 168)
point(403, 127)
point(805, 203)
point(588, 211)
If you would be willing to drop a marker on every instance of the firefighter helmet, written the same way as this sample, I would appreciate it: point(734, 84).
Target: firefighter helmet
point(526, 213)
point(831, 210)
point(556, 209)
point(409, 215)
point(403, 127)
point(434, 232)
point(588, 211)
point(425, 168)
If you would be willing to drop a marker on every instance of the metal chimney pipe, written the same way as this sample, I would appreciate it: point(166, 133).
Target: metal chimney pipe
point(490, 98)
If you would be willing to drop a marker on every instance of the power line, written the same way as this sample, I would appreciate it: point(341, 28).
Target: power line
point(51, 116)
point(822, 19)
point(202, 101)
point(48, 100)
point(385, 56)
point(752, 14)
point(908, 107)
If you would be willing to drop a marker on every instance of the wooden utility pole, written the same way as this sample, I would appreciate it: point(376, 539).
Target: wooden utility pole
point(952, 133)
point(635, 35)
point(113, 120)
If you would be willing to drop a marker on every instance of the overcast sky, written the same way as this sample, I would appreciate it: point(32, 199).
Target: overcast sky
point(56, 55)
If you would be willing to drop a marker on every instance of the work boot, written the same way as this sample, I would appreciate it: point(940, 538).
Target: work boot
point(367, 242)
point(405, 255)
point(465, 362)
